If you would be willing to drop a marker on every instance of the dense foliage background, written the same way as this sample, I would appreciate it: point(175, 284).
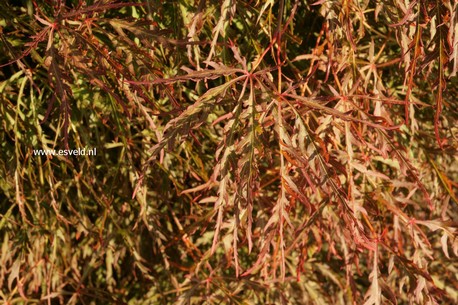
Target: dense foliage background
point(248, 152)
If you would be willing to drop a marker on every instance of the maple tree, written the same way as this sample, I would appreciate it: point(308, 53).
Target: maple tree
point(248, 152)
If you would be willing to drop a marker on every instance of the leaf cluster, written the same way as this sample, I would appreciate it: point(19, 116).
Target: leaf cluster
point(248, 152)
